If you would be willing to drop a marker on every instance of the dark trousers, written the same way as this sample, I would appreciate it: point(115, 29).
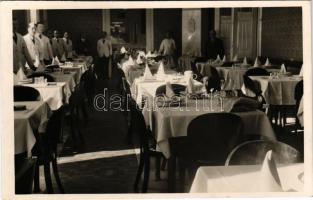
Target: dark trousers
point(102, 69)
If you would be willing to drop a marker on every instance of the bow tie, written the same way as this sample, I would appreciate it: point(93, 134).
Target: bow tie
point(33, 39)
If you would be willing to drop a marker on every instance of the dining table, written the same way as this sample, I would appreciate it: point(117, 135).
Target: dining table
point(245, 179)
point(68, 77)
point(27, 122)
point(278, 90)
point(79, 65)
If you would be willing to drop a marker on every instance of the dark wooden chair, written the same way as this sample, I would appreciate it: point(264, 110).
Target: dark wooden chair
point(46, 150)
point(256, 89)
point(257, 71)
point(210, 138)
point(24, 93)
point(214, 80)
point(42, 74)
point(147, 149)
point(177, 89)
point(24, 176)
point(253, 153)
point(298, 96)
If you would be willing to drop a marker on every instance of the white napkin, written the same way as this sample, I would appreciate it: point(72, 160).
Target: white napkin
point(224, 59)
point(245, 62)
point(63, 58)
point(169, 91)
point(301, 71)
point(147, 74)
point(218, 58)
point(148, 54)
point(21, 75)
point(130, 61)
point(267, 63)
point(256, 62)
point(123, 50)
point(269, 178)
point(235, 58)
point(190, 86)
point(283, 69)
point(56, 59)
point(37, 62)
point(161, 69)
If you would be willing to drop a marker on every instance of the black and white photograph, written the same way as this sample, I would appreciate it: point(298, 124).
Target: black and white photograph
point(204, 99)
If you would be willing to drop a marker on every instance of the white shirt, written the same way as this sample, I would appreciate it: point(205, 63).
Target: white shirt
point(167, 46)
point(45, 49)
point(104, 48)
point(19, 49)
point(33, 48)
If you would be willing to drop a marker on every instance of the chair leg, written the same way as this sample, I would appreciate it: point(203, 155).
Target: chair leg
point(182, 176)
point(158, 168)
point(146, 174)
point(56, 175)
point(139, 172)
point(36, 179)
point(164, 162)
point(171, 174)
point(48, 178)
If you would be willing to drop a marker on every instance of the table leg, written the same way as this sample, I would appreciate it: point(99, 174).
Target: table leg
point(171, 174)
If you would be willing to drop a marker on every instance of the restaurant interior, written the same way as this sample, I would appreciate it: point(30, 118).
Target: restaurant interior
point(176, 100)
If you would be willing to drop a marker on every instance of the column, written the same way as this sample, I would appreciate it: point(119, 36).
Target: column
point(33, 16)
point(217, 19)
point(259, 32)
point(106, 21)
point(149, 30)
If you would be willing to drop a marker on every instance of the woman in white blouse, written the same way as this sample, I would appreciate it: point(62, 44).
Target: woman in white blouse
point(168, 49)
point(68, 44)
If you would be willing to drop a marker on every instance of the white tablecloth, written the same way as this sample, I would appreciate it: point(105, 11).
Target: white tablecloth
point(141, 87)
point(278, 91)
point(28, 121)
point(54, 95)
point(79, 66)
point(69, 79)
point(170, 122)
point(243, 178)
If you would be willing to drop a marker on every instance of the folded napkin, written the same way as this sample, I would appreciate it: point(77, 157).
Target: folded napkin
point(224, 59)
point(147, 74)
point(169, 91)
point(245, 62)
point(56, 59)
point(256, 62)
point(267, 62)
point(161, 71)
point(190, 86)
point(283, 69)
point(21, 75)
point(37, 62)
point(149, 54)
point(301, 71)
point(130, 61)
point(235, 58)
point(123, 50)
point(63, 58)
point(244, 104)
point(218, 58)
point(269, 178)
point(246, 91)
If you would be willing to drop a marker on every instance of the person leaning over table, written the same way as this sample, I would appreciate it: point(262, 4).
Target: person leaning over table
point(68, 44)
point(81, 46)
point(20, 51)
point(45, 48)
point(214, 46)
point(104, 49)
point(33, 45)
point(168, 49)
point(58, 47)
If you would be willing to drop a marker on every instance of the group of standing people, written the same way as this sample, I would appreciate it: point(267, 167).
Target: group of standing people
point(36, 50)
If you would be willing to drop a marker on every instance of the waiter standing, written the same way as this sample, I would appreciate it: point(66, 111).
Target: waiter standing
point(104, 49)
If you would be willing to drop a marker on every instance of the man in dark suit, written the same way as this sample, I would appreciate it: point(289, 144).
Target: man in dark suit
point(214, 46)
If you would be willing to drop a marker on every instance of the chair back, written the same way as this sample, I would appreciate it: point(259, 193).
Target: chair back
point(252, 85)
point(54, 129)
point(298, 92)
point(24, 176)
point(177, 88)
point(24, 93)
point(253, 153)
point(42, 74)
point(212, 136)
point(214, 80)
point(257, 71)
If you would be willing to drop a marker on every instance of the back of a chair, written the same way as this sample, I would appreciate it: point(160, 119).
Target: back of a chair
point(41, 74)
point(177, 88)
point(298, 92)
point(24, 93)
point(253, 153)
point(212, 136)
point(24, 176)
point(252, 85)
point(53, 130)
point(257, 71)
point(214, 80)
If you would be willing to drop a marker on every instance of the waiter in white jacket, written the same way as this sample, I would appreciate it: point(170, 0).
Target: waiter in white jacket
point(45, 49)
point(33, 45)
point(104, 49)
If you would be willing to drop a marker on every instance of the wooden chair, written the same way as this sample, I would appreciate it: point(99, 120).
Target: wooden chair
point(257, 71)
point(24, 93)
point(24, 176)
point(46, 150)
point(253, 152)
point(42, 74)
point(298, 96)
point(177, 88)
